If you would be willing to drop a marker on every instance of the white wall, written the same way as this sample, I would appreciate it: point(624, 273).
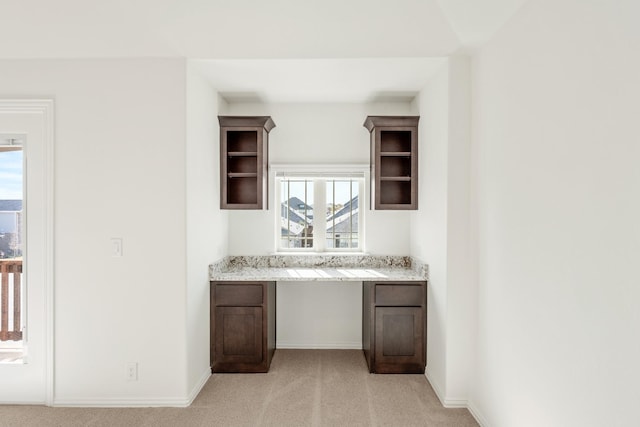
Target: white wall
point(319, 315)
point(429, 223)
point(555, 126)
point(119, 172)
point(441, 229)
point(207, 235)
point(461, 259)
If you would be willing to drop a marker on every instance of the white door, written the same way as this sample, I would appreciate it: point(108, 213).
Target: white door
point(32, 380)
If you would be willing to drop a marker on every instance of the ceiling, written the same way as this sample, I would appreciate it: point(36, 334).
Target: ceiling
point(279, 50)
point(320, 80)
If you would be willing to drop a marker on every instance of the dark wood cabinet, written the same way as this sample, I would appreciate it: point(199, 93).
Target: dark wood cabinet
point(244, 159)
point(394, 326)
point(394, 161)
point(243, 327)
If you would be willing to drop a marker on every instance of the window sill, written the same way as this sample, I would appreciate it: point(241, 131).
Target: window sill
point(317, 253)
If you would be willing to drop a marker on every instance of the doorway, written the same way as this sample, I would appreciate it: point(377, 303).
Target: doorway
point(26, 282)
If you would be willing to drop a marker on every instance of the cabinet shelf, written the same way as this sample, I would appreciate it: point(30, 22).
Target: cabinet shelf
point(395, 178)
point(242, 174)
point(242, 153)
point(395, 153)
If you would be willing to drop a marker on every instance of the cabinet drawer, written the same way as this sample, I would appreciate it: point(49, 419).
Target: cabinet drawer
point(399, 295)
point(239, 294)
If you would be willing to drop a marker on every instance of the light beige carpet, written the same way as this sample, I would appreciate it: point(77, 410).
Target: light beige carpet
point(303, 388)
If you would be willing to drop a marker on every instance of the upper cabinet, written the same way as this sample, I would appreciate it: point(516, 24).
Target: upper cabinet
point(394, 161)
point(244, 159)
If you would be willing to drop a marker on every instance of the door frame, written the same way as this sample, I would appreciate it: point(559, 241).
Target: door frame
point(44, 108)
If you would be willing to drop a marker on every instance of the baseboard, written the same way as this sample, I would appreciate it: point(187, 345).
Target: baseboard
point(198, 387)
point(446, 402)
point(136, 403)
point(323, 346)
point(480, 419)
point(435, 386)
point(121, 403)
point(23, 402)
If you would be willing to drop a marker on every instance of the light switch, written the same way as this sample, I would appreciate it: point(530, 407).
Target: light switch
point(116, 246)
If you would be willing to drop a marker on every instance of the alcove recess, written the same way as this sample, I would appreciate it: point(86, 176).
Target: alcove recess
point(394, 161)
point(244, 159)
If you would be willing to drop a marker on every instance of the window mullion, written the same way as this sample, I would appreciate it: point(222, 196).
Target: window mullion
point(351, 214)
point(333, 213)
point(319, 215)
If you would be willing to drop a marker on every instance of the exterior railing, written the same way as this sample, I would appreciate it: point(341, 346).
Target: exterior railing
point(10, 299)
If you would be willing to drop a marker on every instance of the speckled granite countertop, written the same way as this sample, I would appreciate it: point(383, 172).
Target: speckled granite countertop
point(318, 268)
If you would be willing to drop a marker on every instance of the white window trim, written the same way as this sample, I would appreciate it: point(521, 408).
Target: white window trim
point(317, 172)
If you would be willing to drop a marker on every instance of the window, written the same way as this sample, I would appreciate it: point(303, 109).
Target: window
point(320, 213)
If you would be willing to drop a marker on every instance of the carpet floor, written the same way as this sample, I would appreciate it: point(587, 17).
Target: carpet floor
point(302, 388)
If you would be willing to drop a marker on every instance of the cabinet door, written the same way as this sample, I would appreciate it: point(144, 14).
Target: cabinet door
point(399, 340)
point(238, 335)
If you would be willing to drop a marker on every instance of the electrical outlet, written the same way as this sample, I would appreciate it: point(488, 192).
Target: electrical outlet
point(132, 371)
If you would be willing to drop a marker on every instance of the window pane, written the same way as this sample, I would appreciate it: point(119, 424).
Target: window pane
point(342, 214)
point(296, 214)
point(11, 202)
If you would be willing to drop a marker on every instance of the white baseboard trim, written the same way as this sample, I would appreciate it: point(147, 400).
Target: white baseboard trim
point(435, 386)
point(100, 402)
point(322, 346)
point(198, 387)
point(23, 402)
point(457, 403)
point(480, 419)
point(447, 402)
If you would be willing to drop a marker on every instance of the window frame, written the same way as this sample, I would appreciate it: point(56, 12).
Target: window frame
point(320, 175)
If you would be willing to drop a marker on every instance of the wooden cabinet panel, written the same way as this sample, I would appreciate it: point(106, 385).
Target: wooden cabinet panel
point(394, 326)
point(244, 161)
point(242, 326)
point(239, 294)
point(399, 295)
point(399, 339)
point(238, 336)
point(394, 161)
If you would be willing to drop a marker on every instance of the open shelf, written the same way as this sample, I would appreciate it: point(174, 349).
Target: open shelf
point(394, 161)
point(242, 174)
point(395, 192)
point(242, 191)
point(395, 167)
point(244, 154)
point(395, 141)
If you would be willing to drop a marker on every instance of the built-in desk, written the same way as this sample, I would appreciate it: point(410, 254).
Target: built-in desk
point(393, 307)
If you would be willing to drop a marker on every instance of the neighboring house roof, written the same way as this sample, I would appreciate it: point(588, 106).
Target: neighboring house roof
point(10, 205)
point(298, 204)
point(344, 227)
point(351, 205)
point(293, 216)
point(295, 224)
point(342, 218)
